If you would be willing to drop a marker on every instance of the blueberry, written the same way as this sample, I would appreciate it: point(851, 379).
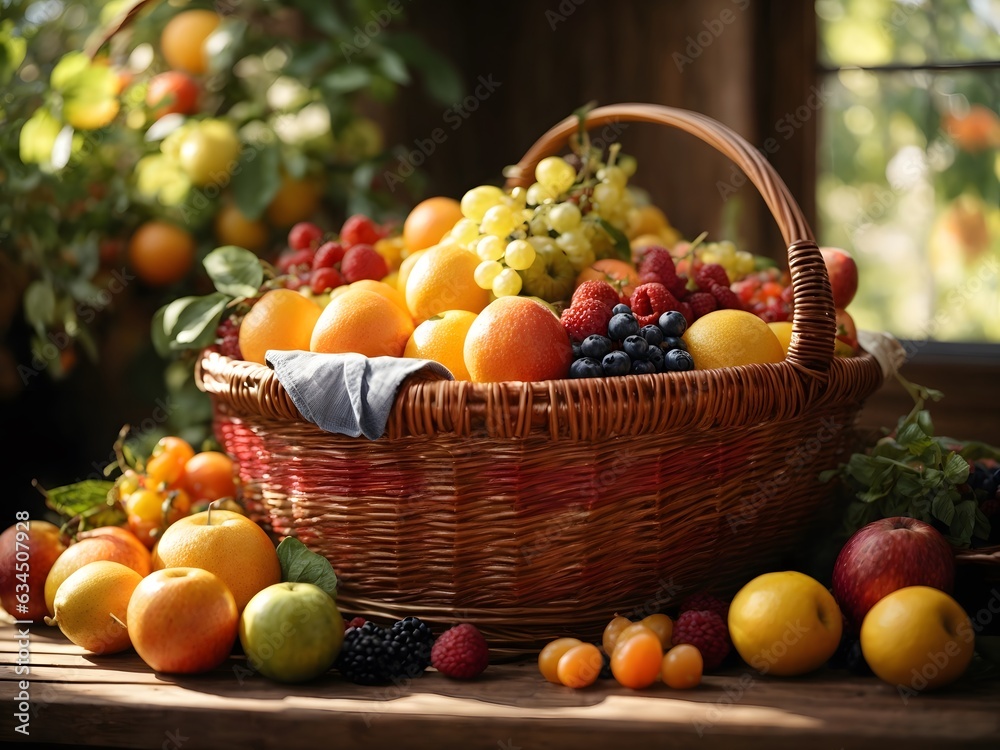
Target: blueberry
point(677, 360)
point(616, 363)
point(640, 367)
point(622, 326)
point(596, 346)
point(577, 350)
point(635, 347)
point(652, 334)
point(672, 342)
point(621, 309)
point(672, 323)
point(656, 356)
point(586, 368)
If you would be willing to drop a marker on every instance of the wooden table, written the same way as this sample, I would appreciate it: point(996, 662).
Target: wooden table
point(116, 701)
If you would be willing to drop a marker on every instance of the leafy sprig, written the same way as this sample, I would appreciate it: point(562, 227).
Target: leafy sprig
point(914, 473)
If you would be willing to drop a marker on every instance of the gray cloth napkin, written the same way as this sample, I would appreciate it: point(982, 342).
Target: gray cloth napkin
point(349, 394)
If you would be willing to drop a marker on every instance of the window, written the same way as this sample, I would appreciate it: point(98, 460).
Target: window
point(909, 161)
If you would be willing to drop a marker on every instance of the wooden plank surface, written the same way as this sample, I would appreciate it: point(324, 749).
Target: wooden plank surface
point(116, 701)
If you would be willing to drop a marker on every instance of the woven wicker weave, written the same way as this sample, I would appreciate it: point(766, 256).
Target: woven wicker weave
point(540, 509)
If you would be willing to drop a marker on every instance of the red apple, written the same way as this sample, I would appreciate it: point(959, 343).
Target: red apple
point(172, 92)
point(888, 555)
point(39, 545)
point(846, 341)
point(843, 272)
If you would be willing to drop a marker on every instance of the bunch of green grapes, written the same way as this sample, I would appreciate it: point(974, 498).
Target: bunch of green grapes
point(737, 263)
point(538, 239)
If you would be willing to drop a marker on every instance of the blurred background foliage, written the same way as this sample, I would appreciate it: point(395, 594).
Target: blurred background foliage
point(909, 171)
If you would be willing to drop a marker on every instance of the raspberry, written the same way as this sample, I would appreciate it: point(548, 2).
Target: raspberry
point(709, 274)
point(304, 236)
point(650, 301)
point(697, 602)
point(658, 266)
point(410, 643)
point(323, 279)
point(706, 631)
point(726, 297)
point(295, 260)
point(598, 290)
point(228, 334)
point(685, 309)
point(702, 303)
point(586, 318)
point(328, 255)
point(355, 622)
point(360, 230)
point(461, 652)
point(363, 262)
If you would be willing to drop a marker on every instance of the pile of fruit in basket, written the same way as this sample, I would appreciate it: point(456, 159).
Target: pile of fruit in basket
point(466, 282)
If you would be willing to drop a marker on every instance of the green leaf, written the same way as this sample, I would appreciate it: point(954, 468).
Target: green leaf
point(983, 525)
point(826, 476)
point(159, 334)
point(943, 508)
point(234, 271)
point(190, 322)
point(439, 76)
point(392, 66)
point(260, 179)
point(861, 468)
point(622, 248)
point(914, 439)
point(40, 304)
point(90, 499)
point(924, 422)
point(963, 524)
point(302, 565)
point(347, 79)
point(956, 469)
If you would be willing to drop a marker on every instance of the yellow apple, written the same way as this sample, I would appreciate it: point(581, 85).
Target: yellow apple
point(917, 638)
point(785, 623)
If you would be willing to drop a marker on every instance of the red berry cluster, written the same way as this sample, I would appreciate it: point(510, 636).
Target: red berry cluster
point(711, 292)
point(767, 294)
point(321, 263)
point(703, 623)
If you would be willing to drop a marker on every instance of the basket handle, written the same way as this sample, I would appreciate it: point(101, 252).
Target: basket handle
point(813, 321)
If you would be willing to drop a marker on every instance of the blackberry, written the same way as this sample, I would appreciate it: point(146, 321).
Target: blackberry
point(364, 657)
point(410, 641)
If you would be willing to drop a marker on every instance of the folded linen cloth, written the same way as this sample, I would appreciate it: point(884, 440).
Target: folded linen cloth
point(349, 394)
point(888, 352)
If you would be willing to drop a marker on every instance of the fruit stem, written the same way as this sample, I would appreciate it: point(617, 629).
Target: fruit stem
point(51, 621)
point(115, 618)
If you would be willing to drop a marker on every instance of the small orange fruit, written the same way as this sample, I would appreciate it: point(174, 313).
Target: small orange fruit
point(161, 253)
point(442, 338)
point(183, 39)
point(364, 322)
point(281, 319)
point(429, 221)
point(442, 279)
point(729, 338)
point(516, 338)
point(233, 228)
point(295, 201)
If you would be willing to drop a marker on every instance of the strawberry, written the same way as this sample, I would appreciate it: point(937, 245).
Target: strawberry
point(585, 318)
point(328, 255)
point(650, 301)
point(702, 303)
point(596, 289)
point(360, 230)
point(726, 297)
point(363, 262)
point(709, 274)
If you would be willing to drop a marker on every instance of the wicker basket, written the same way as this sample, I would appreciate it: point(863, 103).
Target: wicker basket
point(539, 509)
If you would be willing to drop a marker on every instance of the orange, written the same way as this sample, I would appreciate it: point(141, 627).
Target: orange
point(281, 319)
point(364, 322)
point(233, 228)
point(782, 329)
point(183, 39)
point(516, 338)
point(227, 544)
point(729, 338)
point(645, 220)
point(391, 293)
point(442, 338)
point(209, 475)
point(621, 275)
point(405, 267)
point(101, 547)
point(182, 620)
point(91, 606)
point(161, 253)
point(442, 279)
point(295, 201)
point(429, 221)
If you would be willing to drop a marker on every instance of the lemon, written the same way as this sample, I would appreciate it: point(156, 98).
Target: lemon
point(783, 330)
point(91, 604)
point(729, 338)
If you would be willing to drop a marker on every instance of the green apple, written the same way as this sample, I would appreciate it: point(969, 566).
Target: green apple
point(291, 632)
